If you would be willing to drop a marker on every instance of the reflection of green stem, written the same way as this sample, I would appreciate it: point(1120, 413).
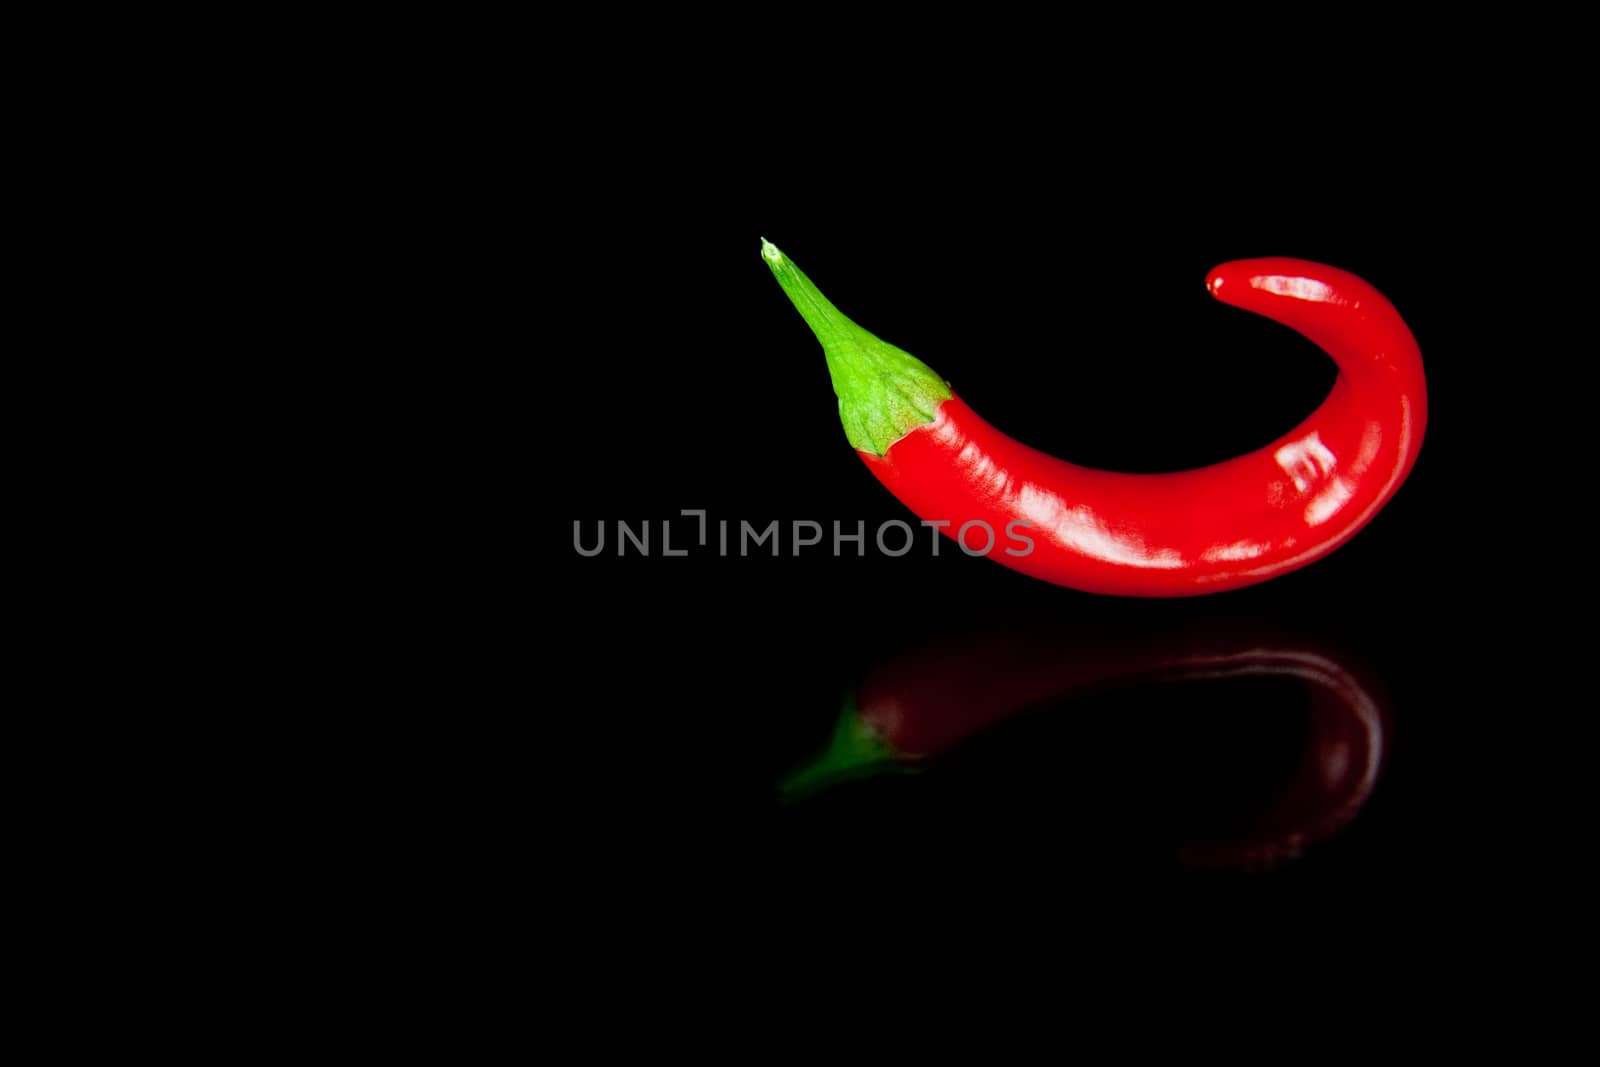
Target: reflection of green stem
point(855, 750)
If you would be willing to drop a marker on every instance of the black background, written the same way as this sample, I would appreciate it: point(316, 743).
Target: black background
point(1059, 287)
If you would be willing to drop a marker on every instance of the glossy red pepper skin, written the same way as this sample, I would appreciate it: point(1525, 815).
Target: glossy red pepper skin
point(1232, 524)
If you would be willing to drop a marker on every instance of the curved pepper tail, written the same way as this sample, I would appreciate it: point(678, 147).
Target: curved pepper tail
point(1344, 315)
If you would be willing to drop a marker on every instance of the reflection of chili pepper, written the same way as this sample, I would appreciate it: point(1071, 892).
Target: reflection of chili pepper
point(927, 702)
point(1231, 524)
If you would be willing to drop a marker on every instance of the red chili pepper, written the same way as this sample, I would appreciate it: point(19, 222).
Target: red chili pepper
point(930, 700)
point(1231, 524)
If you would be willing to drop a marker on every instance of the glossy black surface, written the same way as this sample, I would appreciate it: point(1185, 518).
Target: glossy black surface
point(1079, 321)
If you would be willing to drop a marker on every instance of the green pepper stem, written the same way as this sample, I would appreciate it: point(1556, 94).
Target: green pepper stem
point(884, 393)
